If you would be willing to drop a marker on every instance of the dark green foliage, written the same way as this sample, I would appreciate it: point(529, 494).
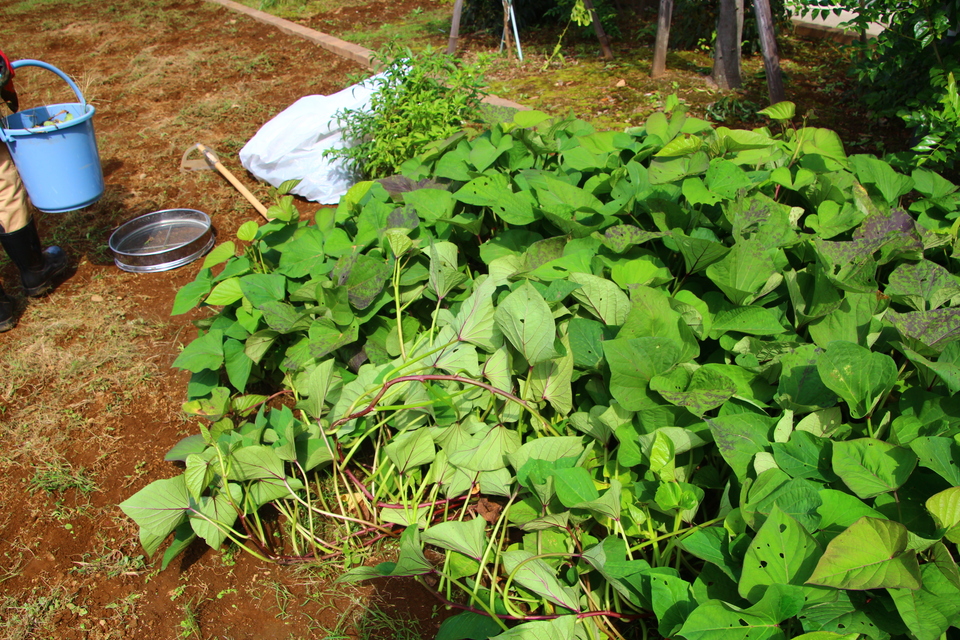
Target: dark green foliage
point(909, 72)
point(419, 98)
point(487, 15)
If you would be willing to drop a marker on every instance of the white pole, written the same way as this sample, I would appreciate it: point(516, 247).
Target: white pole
point(516, 34)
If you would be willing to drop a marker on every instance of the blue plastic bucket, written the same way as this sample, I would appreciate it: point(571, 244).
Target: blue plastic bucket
point(58, 163)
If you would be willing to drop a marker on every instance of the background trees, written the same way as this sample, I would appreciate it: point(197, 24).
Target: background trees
point(908, 73)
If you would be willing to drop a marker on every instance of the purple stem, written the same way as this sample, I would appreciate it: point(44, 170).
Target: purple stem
point(360, 485)
point(282, 392)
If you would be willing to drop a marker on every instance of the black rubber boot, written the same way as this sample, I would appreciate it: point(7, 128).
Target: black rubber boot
point(6, 312)
point(39, 267)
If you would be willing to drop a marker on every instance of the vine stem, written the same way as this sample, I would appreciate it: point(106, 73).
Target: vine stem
point(672, 534)
point(504, 616)
point(340, 516)
point(356, 481)
point(426, 377)
point(282, 392)
point(423, 505)
point(396, 300)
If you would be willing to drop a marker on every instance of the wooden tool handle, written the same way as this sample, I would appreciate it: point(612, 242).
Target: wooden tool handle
point(212, 160)
point(243, 190)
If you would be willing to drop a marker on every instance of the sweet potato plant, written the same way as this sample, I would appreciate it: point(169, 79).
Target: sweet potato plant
point(682, 379)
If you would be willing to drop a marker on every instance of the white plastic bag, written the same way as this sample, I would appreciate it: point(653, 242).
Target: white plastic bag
point(291, 145)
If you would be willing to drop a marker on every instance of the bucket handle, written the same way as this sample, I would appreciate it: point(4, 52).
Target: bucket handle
point(16, 64)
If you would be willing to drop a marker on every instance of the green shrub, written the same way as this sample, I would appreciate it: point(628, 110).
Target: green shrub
point(907, 73)
point(419, 98)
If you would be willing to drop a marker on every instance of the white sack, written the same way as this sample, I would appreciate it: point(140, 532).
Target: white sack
point(291, 145)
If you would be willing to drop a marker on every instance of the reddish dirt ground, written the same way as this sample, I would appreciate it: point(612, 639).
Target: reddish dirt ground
point(162, 75)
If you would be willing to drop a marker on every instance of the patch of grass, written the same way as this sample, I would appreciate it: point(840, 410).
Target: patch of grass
point(56, 478)
point(111, 563)
point(28, 619)
point(125, 612)
point(11, 567)
point(60, 476)
point(149, 14)
point(29, 6)
point(189, 624)
point(222, 107)
point(299, 8)
point(66, 353)
point(347, 621)
point(283, 597)
point(228, 557)
point(260, 63)
point(424, 27)
point(376, 624)
point(85, 232)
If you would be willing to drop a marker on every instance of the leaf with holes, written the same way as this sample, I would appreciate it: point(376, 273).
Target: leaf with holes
point(699, 391)
point(932, 609)
point(602, 298)
point(634, 362)
point(717, 620)
point(494, 191)
point(782, 552)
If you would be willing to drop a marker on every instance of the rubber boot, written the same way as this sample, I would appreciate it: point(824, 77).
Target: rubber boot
point(39, 268)
point(6, 312)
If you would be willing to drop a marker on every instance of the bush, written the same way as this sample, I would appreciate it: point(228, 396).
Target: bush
point(907, 73)
point(419, 98)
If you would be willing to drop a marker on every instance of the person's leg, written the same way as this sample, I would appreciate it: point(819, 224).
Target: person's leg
point(38, 267)
point(14, 212)
point(6, 312)
point(13, 215)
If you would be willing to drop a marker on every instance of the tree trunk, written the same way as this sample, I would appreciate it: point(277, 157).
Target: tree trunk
point(598, 29)
point(455, 28)
point(663, 37)
point(768, 45)
point(726, 55)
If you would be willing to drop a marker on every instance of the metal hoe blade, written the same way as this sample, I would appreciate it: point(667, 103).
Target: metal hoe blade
point(209, 160)
point(206, 162)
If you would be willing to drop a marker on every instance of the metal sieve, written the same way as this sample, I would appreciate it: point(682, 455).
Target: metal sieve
point(161, 240)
